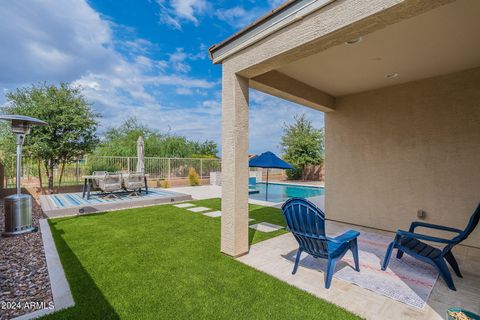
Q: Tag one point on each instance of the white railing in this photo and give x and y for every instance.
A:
(158, 168)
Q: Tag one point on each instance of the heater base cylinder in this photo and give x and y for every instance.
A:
(18, 214)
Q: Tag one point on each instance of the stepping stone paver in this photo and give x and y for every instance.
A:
(199, 209)
(213, 214)
(184, 205)
(266, 227)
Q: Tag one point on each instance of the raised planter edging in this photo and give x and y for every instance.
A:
(62, 296)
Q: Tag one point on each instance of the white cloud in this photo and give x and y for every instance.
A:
(174, 12)
(69, 41)
(275, 3)
(178, 61)
(239, 17)
(267, 116)
(135, 46)
(185, 91)
(52, 40)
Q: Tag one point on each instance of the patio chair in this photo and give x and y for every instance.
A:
(95, 183)
(409, 242)
(134, 182)
(110, 183)
(307, 224)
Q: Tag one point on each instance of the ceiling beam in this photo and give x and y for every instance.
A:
(280, 85)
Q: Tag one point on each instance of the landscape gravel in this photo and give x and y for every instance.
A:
(24, 281)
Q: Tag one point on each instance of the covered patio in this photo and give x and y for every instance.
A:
(276, 256)
(399, 85)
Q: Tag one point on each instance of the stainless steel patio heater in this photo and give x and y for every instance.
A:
(18, 207)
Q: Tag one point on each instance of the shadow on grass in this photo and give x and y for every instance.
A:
(265, 214)
(251, 236)
(90, 303)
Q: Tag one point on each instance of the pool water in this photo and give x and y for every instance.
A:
(278, 192)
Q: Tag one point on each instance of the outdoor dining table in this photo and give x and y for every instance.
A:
(88, 182)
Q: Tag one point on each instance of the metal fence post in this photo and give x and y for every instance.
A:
(201, 168)
(168, 168)
(128, 164)
(77, 171)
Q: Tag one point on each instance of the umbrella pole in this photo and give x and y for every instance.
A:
(266, 189)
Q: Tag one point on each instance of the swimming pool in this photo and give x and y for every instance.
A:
(278, 192)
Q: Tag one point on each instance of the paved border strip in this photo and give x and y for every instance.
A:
(62, 296)
(53, 212)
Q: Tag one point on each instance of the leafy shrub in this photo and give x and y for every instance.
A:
(122, 141)
(104, 167)
(295, 173)
(165, 184)
(193, 177)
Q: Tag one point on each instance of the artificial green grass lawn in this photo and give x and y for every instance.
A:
(164, 262)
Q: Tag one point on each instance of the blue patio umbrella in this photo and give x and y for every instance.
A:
(268, 160)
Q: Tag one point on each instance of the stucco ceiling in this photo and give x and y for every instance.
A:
(442, 41)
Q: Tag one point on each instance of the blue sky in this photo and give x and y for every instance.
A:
(147, 59)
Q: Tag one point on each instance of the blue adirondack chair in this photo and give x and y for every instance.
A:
(307, 224)
(409, 242)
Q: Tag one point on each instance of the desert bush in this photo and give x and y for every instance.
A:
(193, 177)
(295, 173)
(165, 184)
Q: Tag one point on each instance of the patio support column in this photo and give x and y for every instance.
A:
(234, 230)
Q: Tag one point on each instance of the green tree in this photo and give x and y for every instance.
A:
(71, 130)
(122, 141)
(302, 144)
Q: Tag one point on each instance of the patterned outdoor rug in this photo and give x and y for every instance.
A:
(407, 280)
(65, 200)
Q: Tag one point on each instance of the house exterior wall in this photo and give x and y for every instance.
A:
(393, 151)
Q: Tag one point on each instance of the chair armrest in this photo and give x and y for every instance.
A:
(345, 237)
(416, 224)
(422, 237)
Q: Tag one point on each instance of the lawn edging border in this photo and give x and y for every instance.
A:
(62, 296)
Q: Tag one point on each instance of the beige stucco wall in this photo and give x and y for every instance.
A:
(392, 151)
(235, 171)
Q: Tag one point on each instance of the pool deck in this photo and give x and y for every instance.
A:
(211, 191)
(70, 204)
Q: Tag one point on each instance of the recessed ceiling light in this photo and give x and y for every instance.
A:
(392, 75)
(354, 41)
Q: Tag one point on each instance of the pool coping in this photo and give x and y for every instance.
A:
(318, 200)
(294, 184)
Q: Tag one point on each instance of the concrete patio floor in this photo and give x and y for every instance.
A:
(269, 256)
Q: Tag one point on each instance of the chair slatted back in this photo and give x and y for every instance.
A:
(307, 223)
(471, 225)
